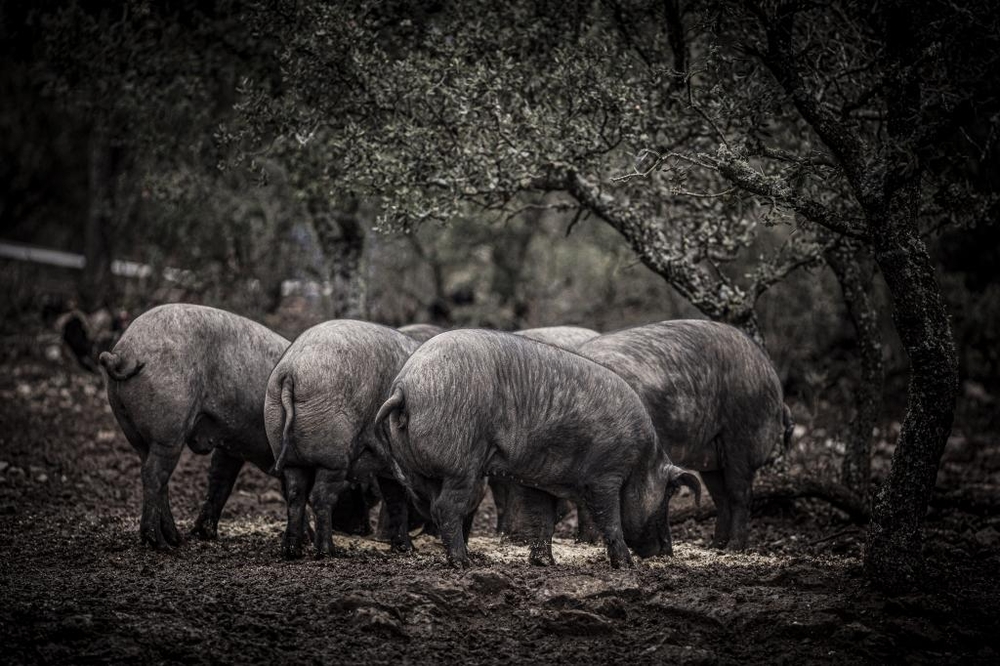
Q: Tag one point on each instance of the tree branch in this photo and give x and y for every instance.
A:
(740, 173)
(847, 146)
(716, 297)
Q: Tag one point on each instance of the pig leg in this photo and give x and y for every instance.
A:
(717, 489)
(478, 494)
(531, 520)
(284, 495)
(501, 493)
(298, 482)
(222, 475)
(541, 521)
(604, 506)
(415, 521)
(157, 526)
(430, 529)
(383, 531)
(327, 487)
(739, 486)
(449, 508)
(395, 505)
(350, 513)
(586, 530)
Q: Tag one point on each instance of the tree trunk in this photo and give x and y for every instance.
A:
(510, 252)
(439, 307)
(850, 263)
(342, 238)
(893, 555)
(675, 37)
(96, 289)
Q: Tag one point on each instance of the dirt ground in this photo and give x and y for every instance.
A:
(77, 587)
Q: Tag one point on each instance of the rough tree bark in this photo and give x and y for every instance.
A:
(510, 253)
(439, 307)
(674, 12)
(893, 553)
(893, 556)
(850, 263)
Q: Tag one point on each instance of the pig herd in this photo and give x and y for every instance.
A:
(422, 419)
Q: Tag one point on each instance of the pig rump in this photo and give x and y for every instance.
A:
(318, 410)
(189, 374)
(472, 403)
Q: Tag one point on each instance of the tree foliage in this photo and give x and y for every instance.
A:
(481, 105)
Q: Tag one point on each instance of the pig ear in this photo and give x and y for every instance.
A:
(682, 477)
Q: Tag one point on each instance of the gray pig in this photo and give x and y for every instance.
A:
(188, 374)
(566, 337)
(420, 332)
(517, 513)
(472, 403)
(321, 400)
(715, 400)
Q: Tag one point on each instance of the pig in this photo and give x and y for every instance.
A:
(319, 408)
(475, 403)
(715, 400)
(566, 337)
(188, 374)
(514, 503)
(420, 332)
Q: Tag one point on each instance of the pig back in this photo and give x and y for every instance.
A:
(567, 337)
(420, 332)
(531, 401)
(700, 381)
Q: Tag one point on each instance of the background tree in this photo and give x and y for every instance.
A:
(485, 105)
(882, 90)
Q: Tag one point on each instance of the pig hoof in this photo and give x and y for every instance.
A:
(459, 563)
(541, 561)
(172, 537)
(156, 541)
(205, 532)
(291, 551)
(402, 547)
(329, 551)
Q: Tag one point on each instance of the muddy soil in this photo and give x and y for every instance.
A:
(77, 587)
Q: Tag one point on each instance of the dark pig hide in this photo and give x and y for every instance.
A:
(475, 403)
(188, 374)
(714, 399)
(321, 401)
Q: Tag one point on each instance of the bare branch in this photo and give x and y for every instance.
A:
(740, 173)
(719, 299)
(847, 146)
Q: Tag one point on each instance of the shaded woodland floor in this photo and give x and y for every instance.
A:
(77, 587)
